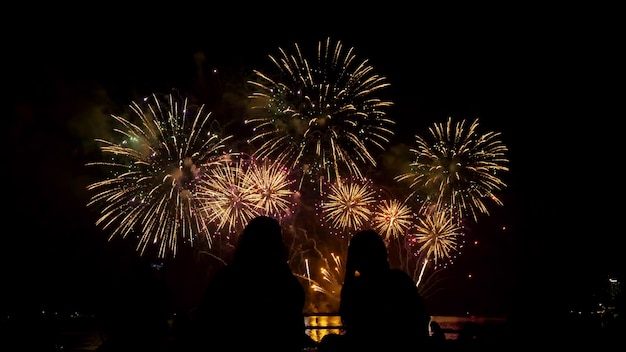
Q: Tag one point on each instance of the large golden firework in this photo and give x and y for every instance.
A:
(320, 116)
(154, 166)
(459, 169)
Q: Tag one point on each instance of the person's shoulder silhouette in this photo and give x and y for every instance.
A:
(255, 301)
(379, 305)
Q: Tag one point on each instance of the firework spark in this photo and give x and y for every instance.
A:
(392, 219)
(323, 116)
(348, 204)
(325, 282)
(459, 170)
(332, 273)
(155, 166)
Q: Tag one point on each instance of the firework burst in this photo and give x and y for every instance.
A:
(437, 235)
(227, 200)
(348, 204)
(392, 219)
(323, 116)
(459, 170)
(243, 188)
(274, 192)
(155, 166)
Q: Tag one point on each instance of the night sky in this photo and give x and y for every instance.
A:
(548, 83)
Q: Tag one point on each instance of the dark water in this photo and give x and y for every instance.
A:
(320, 325)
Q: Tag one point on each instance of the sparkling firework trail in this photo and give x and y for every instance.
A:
(328, 278)
(332, 273)
(459, 169)
(322, 116)
(155, 166)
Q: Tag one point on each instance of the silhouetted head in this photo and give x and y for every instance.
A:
(367, 253)
(261, 242)
(435, 326)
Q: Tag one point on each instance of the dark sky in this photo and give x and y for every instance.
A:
(548, 82)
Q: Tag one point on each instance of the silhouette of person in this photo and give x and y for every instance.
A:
(255, 302)
(380, 306)
(438, 341)
(470, 337)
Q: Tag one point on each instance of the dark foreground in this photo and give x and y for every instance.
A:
(85, 333)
